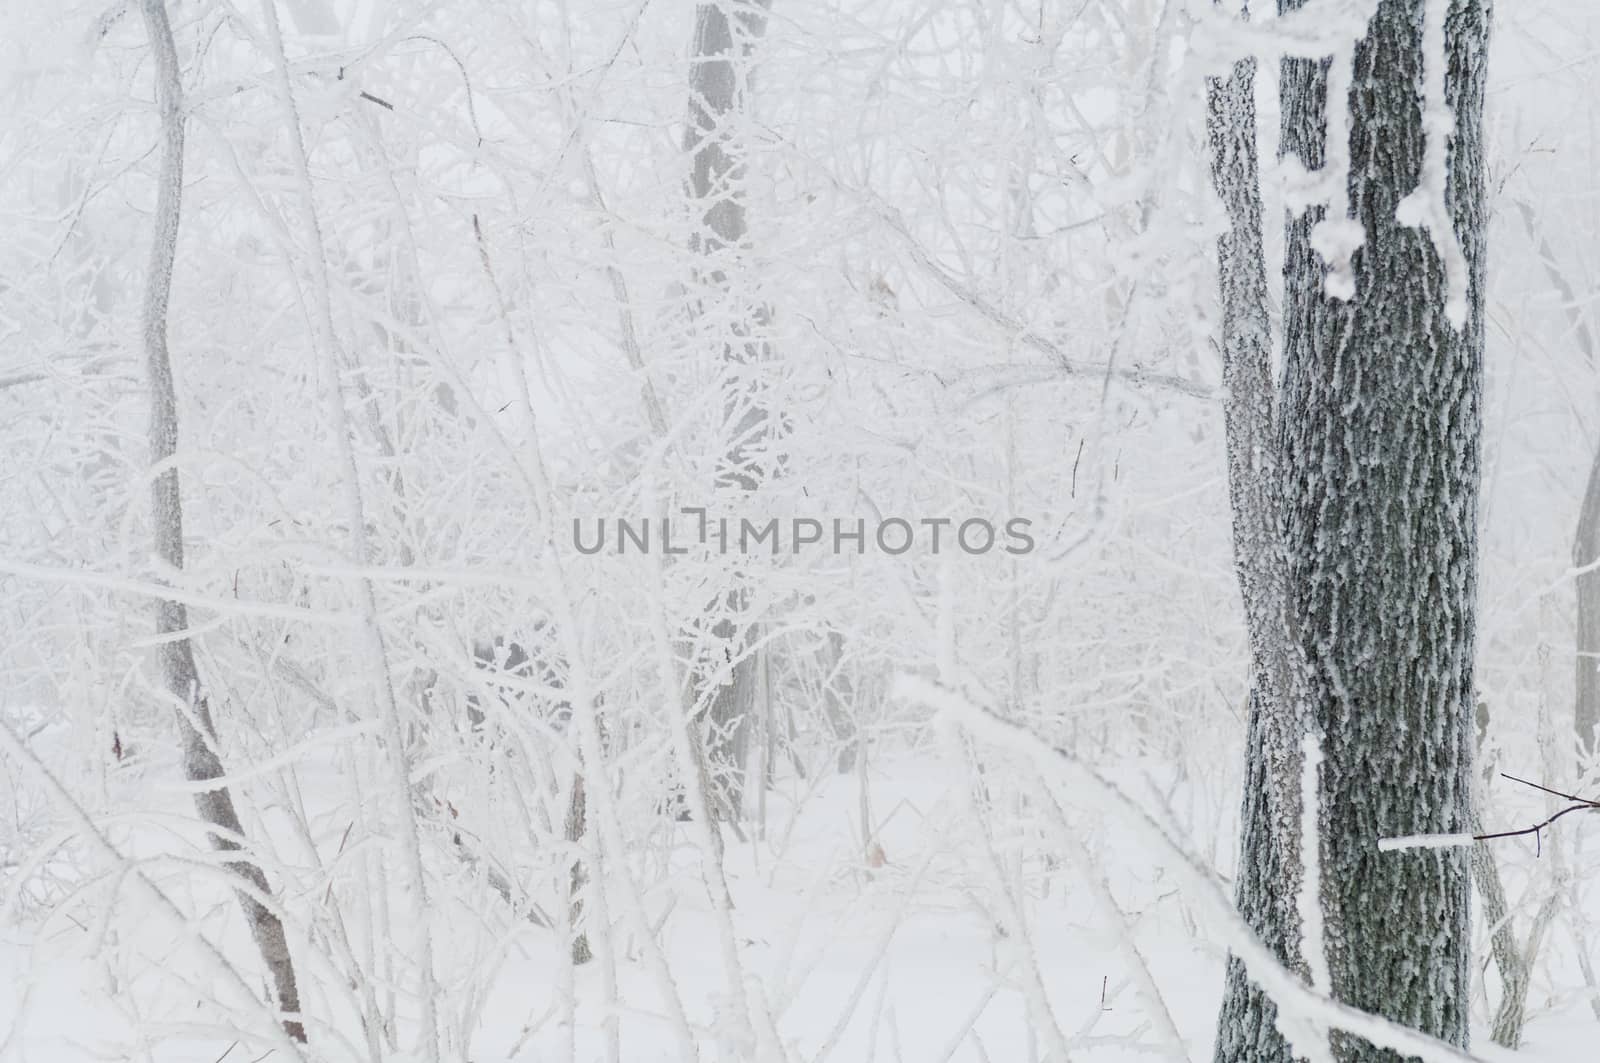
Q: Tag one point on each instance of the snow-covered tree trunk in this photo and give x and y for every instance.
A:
(725, 34)
(1379, 467)
(1586, 539)
(839, 703)
(574, 828)
(1268, 862)
(1512, 959)
(202, 761)
(1586, 557)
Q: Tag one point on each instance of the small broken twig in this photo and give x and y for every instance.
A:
(1579, 804)
(1447, 841)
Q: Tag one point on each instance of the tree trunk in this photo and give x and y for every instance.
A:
(1379, 458)
(839, 702)
(1268, 852)
(725, 35)
(201, 762)
(577, 825)
(1514, 962)
(1586, 540)
(1586, 555)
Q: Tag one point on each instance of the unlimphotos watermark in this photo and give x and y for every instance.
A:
(775, 535)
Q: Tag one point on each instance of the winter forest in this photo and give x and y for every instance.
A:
(799, 531)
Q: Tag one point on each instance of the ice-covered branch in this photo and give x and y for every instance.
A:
(1452, 841)
(221, 970)
(1293, 997)
(1312, 31)
(374, 653)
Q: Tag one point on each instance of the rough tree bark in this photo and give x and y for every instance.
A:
(1378, 469)
(725, 35)
(1268, 859)
(201, 761)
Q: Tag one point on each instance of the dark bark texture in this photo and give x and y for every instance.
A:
(1377, 470)
(1268, 863)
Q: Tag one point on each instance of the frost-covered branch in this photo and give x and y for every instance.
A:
(380, 687)
(287, 1036)
(1280, 983)
(1451, 841)
(202, 762)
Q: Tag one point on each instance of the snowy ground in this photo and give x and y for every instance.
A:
(912, 960)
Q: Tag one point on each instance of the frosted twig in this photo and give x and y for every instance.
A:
(224, 970)
(1093, 872)
(1450, 841)
(1581, 806)
(1042, 1017)
(74, 577)
(381, 687)
(880, 949)
(1277, 981)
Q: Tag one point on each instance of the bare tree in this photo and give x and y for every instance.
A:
(725, 35)
(1513, 958)
(197, 731)
(1586, 558)
(501, 657)
(1586, 539)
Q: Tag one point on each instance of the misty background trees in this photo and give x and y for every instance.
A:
(448, 277)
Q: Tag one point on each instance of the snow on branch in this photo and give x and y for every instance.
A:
(1425, 206)
(1313, 31)
(77, 577)
(1303, 1006)
(223, 973)
(1331, 29)
(1424, 841)
(1328, 30)
(1451, 841)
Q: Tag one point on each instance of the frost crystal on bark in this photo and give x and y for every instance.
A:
(1377, 474)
